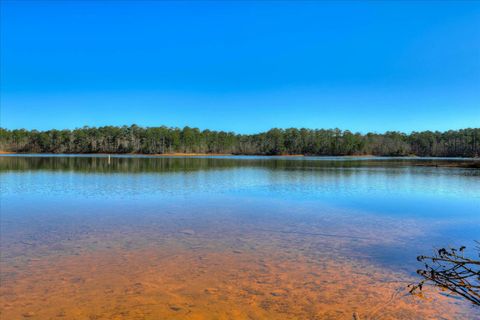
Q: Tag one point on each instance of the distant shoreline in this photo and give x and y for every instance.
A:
(195, 154)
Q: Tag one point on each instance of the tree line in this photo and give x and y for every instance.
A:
(165, 140)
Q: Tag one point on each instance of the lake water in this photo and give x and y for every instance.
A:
(84, 237)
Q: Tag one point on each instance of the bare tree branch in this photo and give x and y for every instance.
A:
(450, 270)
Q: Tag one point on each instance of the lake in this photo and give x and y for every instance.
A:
(137, 237)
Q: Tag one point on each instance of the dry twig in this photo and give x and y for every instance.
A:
(452, 271)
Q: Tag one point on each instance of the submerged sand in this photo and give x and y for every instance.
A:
(194, 280)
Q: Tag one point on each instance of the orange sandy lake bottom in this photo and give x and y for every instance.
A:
(190, 277)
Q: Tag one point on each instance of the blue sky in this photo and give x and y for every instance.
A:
(241, 66)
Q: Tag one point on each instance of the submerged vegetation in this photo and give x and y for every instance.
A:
(450, 270)
(162, 140)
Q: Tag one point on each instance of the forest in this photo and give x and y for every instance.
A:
(167, 140)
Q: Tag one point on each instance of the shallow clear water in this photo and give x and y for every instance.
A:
(228, 237)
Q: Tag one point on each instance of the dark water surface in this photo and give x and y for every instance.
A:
(84, 237)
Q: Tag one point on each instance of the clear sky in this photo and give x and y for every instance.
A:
(241, 66)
